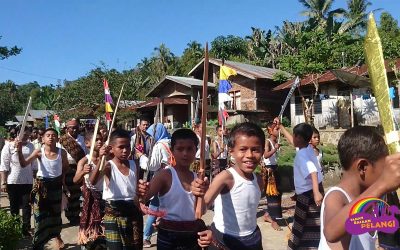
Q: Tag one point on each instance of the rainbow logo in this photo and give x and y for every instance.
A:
(372, 214)
(364, 204)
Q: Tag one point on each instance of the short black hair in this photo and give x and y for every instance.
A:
(217, 127)
(144, 118)
(315, 130)
(184, 134)
(361, 142)
(119, 133)
(303, 130)
(248, 129)
(51, 129)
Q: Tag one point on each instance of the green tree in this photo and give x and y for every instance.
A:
(229, 48)
(9, 104)
(192, 54)
(6, 52)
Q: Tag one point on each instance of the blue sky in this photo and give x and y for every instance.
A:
(66, 39)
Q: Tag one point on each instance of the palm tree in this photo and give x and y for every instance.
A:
(319, 11)
(356, 16)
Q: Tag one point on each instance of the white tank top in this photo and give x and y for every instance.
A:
(99, 184)
(235, 213)
(363, 241)
(224, 154)
(120, 187)
(49, 168)
(178, 202)
(272, 159)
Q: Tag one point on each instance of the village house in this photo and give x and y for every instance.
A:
(337, 94)
(251, 93)
(251, 89)
(177, 97)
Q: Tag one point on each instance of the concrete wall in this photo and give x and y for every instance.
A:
(330, 136)
(365, 111)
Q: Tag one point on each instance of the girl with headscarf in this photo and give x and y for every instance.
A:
(160, 157)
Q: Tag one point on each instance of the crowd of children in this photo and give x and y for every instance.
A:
(118, 180)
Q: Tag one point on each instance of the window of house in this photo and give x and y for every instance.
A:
(235, 104)
(299, 106)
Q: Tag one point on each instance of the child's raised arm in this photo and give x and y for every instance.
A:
(287, 134)
(22, 161)
(334, 226)
(82, 169)
(222, 183)
(156, 186)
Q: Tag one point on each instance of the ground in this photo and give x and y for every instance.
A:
(271, 239)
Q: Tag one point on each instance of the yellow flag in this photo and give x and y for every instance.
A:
(225, 72)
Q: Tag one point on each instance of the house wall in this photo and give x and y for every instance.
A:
(246, 87)
(268, 100)
(176, 113)
(365, 111)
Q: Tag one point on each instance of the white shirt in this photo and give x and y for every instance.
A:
(10, 163)
(272, 160)
(207, 149)
(235, 212)
(178, 202)
(120, 187)
(305, 163)
(363, 241)
(48, 168)
(160, 155)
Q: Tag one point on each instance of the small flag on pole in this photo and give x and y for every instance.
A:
(223, 89)
(57, 124)
(108, 100)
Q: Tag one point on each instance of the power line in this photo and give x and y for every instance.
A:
(32, 74)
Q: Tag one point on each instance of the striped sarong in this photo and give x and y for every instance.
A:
(46, 199)
(73, 207)
(306, 230)
(90, 226)
(123, 223)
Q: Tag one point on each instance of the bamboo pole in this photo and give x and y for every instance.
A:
(28, 108)
(93, 145)
(200, 200)
(111, 126)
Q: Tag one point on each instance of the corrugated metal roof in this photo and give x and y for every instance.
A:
(185, 81)
(247, 70)
(20, 118)
(328, 76)
(39, 114)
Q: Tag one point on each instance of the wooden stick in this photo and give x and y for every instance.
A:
(200, 200)
(28, 108)
(93, 145)
(111, 126)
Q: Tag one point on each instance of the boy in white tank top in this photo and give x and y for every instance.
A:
(237, 191)
(90, 226)
(368, 172)
(178, 229)
(47, 190)
(123, 220)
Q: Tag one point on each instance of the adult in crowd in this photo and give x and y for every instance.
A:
(74, 144)
(17, 180)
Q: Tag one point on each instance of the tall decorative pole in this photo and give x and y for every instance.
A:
(200, 200)
(379, 82)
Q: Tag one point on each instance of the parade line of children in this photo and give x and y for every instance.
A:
(115, 190)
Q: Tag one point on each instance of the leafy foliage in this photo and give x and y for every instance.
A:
(10, 230)
(6, 52)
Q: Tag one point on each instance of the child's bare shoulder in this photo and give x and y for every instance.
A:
(335, 199)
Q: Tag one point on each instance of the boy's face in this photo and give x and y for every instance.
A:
(184, 152)
(40, 135)
(26, 136)
(247, 152)
(34, 134)
(220, 131)
(99, 142)
(373, 171)
(50, 138)
(121, 148)
(274, 130)
(314, 140)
